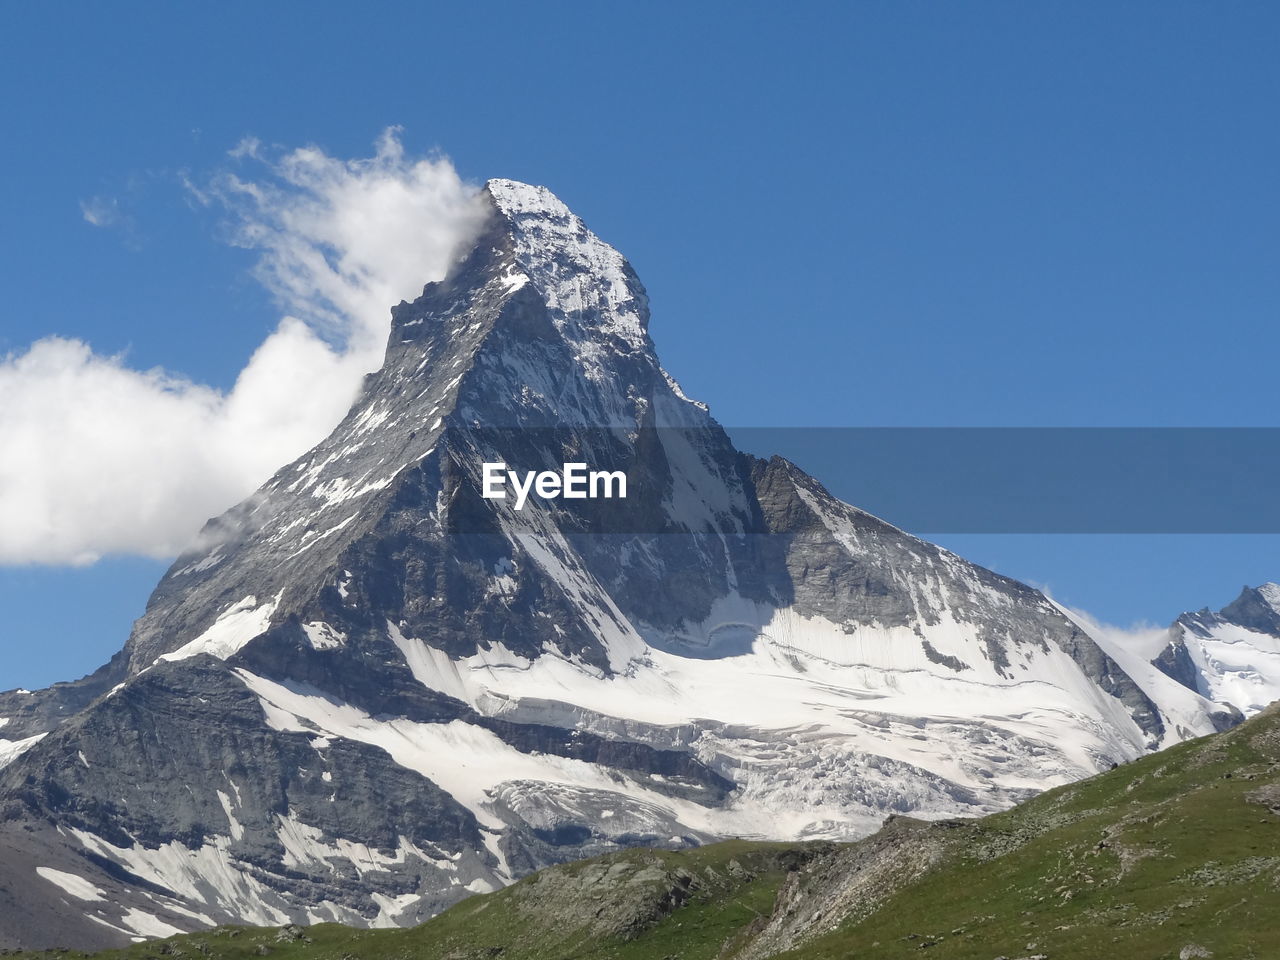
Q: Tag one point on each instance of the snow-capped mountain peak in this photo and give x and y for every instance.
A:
(382, 690)
(1231, 656)
(585, 282)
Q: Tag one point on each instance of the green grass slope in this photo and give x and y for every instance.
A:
(1174, 856)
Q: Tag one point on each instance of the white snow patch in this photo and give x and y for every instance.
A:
(206, 875)
(391, 908)
(234, 627)
(111, 926)
(146, 925)
(212, 559)
(340, 490)
(1240, 666)
(237, 830)
(312, 538)
(77, 887)
(11, 750)
(322, 636)
(514, 281)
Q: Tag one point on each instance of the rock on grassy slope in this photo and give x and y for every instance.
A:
(1176, 855)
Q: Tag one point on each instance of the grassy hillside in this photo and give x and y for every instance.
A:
(1173, 856)
(1176, 855)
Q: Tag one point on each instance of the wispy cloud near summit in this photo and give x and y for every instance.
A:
(100, 458)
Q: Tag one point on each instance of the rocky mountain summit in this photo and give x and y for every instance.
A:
(373, 690)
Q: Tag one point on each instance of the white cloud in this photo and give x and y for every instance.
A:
(100, 458)
(247, 147)
(100, 211)
(1142, 639)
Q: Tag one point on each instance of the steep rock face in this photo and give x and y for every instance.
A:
(372, 691)
(32, 713)
(1256, 609)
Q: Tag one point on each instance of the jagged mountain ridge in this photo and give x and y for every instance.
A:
(382, 692)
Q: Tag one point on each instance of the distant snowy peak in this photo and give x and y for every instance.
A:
(1231, 656)
(1256, 609)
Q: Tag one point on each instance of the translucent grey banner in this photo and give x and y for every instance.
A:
(1044, 480)
(942, 480)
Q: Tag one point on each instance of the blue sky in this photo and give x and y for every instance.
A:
(848, 214)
